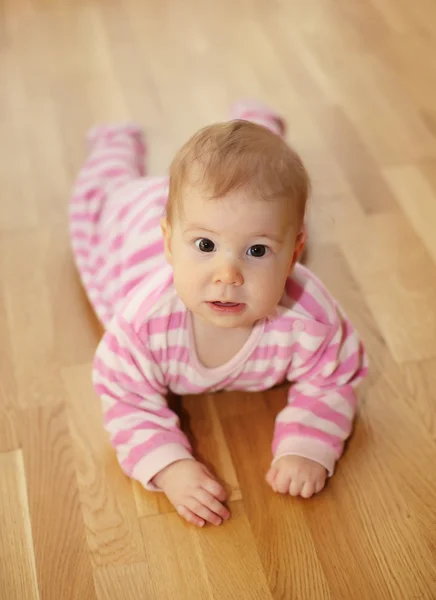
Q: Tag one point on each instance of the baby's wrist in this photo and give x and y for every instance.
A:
(164, 474)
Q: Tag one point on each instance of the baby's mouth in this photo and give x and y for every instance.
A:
(218, 303)
(226, 307)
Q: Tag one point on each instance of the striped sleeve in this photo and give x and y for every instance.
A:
(143, 430)
(322, 398)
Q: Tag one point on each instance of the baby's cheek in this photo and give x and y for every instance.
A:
(186, 280)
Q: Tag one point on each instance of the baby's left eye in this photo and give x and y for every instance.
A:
(257, 251)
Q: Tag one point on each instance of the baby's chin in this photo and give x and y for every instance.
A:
(244, 321)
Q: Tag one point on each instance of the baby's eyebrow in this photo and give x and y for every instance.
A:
(198, 227)
(270, 236)
(276, 238)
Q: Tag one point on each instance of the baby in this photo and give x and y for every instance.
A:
(196, 281)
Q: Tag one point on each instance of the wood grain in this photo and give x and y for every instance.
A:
(17, 564)
(109, 512)
(62, 559)
(355, 82)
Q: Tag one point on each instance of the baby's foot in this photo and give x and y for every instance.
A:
(256, 112)
(113, 134)
(296, 476)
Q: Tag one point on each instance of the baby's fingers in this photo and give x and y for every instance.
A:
(296, 485)
(214, 488)
(202, 511)
(308, 489)
(212, 504)
(190, 516)
(271, 476)
(282, 482)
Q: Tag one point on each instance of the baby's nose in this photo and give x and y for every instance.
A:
(229, 274)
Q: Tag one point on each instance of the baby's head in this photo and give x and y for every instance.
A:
(233, 229)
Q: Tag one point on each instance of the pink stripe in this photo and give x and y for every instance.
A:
(129, 406)
(81, 252)
(79, 234)
(182, 382)
(321, 410)
(117, 242)
(160, 439)
(275, 352)
(126, 153)
(84, 217)
(114, 346)
(93, 178)
(135, 259)
(118, 410)
(180, 354)
(351, 366)
(128, 287)
(144, 253)
(286, 325)
(102, 390)
(262, 374)
(144, 193)
(283, 430)
(142, 313)
(142, 388)
(306, 300)
(165, 323)
(124, 436)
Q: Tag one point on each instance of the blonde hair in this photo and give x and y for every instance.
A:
(225, 156)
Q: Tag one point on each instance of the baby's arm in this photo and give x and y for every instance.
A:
(145, 433)
(311, 430)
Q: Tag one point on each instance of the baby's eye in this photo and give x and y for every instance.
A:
(205, 245)
(257, 251)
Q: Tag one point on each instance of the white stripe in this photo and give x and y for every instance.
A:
(305, 417)
(129, 421)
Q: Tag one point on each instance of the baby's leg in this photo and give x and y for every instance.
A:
(107, 195)
(116, 156)
(250, 110)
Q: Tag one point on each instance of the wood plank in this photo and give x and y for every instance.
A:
(398, 280)
(112, 525)
(29, 317)
(407, 182)
(357, 164)
(420, 378)
(17, 559)
(125, 582)
(174, 559)
(284, 535)
(231, 559)
(8, 383)
(62, 561)
(8, 431)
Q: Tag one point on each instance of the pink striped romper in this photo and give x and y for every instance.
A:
(148, 348)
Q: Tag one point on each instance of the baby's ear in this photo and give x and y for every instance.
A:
(300, 243)
(166, 232)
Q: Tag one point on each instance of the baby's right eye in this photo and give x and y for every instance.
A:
(205, 245)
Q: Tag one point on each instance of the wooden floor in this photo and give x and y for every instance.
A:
(356, 81)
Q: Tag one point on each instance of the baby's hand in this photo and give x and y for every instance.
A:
(194, 492)
(296, 476)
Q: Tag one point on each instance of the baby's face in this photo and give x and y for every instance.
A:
(231, 256)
